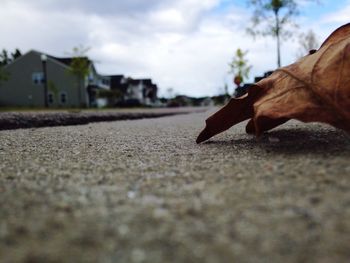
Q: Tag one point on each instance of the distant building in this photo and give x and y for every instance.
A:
(133, 92)
(207, 102)
(266, 74)
(34, 72)
(25, 86)
(118, 86)
(142, 90)
(241, 90)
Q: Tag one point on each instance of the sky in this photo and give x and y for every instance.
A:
(185, 46)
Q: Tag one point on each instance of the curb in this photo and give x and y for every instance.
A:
(15, 120)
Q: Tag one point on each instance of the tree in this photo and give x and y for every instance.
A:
(4, 58)
(3, 75)
(271, 18)
(80, 68)
(240, 69)
(239, 65)
(307, 41)
(226, 88)
(16, 54)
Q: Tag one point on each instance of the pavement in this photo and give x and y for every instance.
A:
(144, 191)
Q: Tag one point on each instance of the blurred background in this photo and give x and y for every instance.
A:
(149, 51)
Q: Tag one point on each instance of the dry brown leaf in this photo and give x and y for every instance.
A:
(314, 89)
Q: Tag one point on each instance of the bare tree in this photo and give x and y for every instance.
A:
(307, 41)
(272, 18)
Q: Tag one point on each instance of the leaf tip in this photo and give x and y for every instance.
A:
(203, 136)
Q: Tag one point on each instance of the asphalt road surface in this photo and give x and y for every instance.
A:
(144, 191)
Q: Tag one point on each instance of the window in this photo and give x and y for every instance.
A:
(91, 75)
(38, 78)
(63, 97)
(105, 81)
(50, 98)
(90, 78)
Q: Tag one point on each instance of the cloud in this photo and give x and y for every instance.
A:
(341, 16)
(190, 57)
(183, 44)
(107, 7)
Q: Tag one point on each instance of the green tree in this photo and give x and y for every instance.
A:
(80, 68)
(271, 18)
(240, 66)
(4, 58)
(3, 75)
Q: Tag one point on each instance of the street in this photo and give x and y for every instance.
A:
(144, 191)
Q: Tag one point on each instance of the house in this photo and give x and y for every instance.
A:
(142, 90)
(133, 92)
(149, 92)
(118, 86)
(241, 90)
(180, 101)
(266, 74)
(38, 80)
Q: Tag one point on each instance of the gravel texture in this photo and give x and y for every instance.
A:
(143, 191)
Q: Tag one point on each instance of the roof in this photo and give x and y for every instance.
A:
(147, 82)
(68, 61)
(154, 86)
(116, 78)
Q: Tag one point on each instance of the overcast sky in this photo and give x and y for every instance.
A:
(181, 44)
